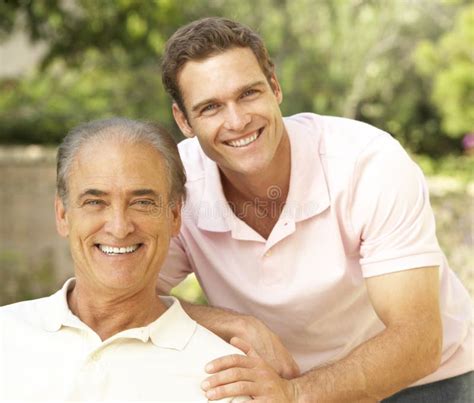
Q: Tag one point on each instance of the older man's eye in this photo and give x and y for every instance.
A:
(144, 204)
(93, 202)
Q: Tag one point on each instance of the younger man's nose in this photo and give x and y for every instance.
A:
(236, 118)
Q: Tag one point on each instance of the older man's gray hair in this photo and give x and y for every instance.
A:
(128, 131)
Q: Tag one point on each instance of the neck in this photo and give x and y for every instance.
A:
(108, 314)
(272, 183)
(259, 199)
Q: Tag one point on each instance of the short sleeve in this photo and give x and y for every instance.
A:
(390, 210)
(176, 267)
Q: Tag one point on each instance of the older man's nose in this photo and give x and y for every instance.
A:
(119, 224)
(236, 118)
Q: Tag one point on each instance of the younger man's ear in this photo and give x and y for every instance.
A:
(182, 121)
(276, 88)
(61, 217)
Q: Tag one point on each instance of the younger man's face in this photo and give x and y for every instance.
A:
(232, 109)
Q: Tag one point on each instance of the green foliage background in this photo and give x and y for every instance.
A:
(405, 66)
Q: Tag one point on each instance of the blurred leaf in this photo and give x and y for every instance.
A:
(449, 62)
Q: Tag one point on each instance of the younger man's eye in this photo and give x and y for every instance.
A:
(248, 92)
(209, 108)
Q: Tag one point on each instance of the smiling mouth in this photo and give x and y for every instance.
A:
(114, 250)
(245, 141)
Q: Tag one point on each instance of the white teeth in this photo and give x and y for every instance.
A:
(243, 142)
(111, 250)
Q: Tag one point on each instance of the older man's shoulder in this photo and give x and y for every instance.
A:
(28, 312)
(194, 339)
(216, 347)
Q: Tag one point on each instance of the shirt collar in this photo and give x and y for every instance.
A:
(173, 329)
(215, 213)
(57, 310)
(308, 194)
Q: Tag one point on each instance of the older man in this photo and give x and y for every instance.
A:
(319, 227)
(106, 334)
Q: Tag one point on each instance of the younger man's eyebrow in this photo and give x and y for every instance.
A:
(202, 103)
(249, 86)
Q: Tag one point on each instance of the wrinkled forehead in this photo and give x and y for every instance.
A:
(115, 162)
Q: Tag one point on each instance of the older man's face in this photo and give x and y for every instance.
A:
(118, 219)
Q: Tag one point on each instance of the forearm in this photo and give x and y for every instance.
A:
(376, 369)
(228, 324)
(223, 322)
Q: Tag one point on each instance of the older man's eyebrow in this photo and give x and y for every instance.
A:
(101, 193)
(92, 192)
(144, 192)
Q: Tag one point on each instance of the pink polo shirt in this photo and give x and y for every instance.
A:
(357, 207)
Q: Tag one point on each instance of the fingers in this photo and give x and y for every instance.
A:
(229, 361)
(243, 346)
(237, 375)
(228, 376)
(243, 388)
(234, 375)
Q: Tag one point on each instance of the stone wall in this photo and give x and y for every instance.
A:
(28, 238)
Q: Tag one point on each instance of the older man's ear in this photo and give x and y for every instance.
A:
(61, 217)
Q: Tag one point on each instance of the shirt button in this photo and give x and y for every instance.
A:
(268, 254)
(95, 357)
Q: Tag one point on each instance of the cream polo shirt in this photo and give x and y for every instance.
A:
(357, 207)
(47, 353)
